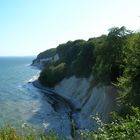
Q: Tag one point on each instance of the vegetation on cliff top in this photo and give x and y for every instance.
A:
(101, 56)
(111, 59)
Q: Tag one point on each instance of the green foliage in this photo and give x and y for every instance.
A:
(82, 66)
(10, 133)
(109, 56)
(130, 81)
(69, 51)
(127, 128)
(53, 74)
(78, 59)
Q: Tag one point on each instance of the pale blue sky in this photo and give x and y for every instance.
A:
(28, 27)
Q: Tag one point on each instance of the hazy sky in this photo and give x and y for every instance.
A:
(28, 27)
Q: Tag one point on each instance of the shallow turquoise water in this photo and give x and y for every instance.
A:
(22, 105)
(20, 102)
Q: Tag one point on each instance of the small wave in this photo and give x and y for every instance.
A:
(35, 77)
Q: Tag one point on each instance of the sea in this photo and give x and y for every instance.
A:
(21, 104)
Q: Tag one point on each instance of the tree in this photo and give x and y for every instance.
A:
(110, 56)
(51, 75)
(82, 66)
(130, 81)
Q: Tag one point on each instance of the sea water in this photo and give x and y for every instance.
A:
(21, 104)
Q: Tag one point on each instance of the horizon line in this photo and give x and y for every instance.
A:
(18, 55)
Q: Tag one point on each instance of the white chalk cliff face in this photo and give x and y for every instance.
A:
(40, 62)
(89, 100)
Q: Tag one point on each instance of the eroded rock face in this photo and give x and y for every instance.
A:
(88, 100)
(40, 62)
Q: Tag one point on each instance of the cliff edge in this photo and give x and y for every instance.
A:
(68, 70)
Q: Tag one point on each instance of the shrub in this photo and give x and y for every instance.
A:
(51, 75)
(10, 133)
(127, 128)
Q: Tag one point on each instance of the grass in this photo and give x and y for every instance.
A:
(10, 133)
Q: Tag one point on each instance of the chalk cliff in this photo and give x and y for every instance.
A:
(73, 63)
(88, 100)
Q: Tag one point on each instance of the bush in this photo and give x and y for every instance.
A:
(129, 82)
(109, 56)
(10, 133)
(82, 66)
(51, 75)
(127, 128)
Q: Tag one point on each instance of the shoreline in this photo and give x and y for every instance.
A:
(50, 91)
(59, 100)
